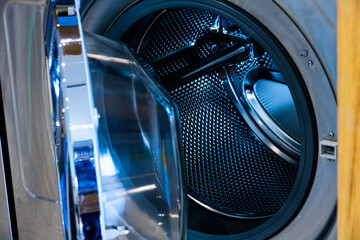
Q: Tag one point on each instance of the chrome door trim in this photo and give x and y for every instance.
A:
(76, 121)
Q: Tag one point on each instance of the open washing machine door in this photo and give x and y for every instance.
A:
(250, 83)
(116, 139)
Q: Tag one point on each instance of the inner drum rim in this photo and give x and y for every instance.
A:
(192, 193)
(287, 66)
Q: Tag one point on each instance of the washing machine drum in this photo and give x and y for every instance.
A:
(228, 167)
(247, 121)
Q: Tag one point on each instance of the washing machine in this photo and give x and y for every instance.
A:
(153, 119)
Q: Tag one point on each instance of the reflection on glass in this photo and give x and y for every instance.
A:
(139, 152)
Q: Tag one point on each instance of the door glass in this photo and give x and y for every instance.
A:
(116, 139)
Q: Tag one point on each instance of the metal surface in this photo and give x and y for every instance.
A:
(318, 208)
(216, 173)
(317, 21)
(28, 119)
(258, 123)
(5, 224)
(271, 98)
(29, 113)
(119, 176)
(36, 194)
(76, 119)
(226, 164)
(315, 18)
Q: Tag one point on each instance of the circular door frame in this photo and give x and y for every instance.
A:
(319, 208)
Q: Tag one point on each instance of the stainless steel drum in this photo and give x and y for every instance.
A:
(242, 77)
